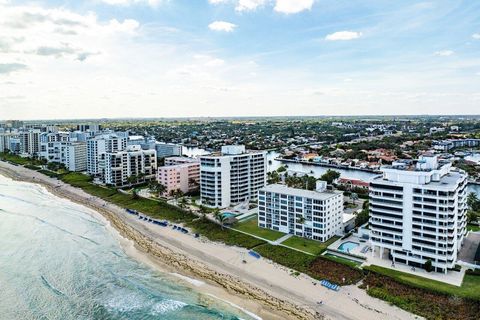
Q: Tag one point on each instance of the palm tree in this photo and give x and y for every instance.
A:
(183, 203)
(301, 220)
(472, 200)
(220, 217)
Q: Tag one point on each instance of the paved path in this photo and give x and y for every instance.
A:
(285, 237)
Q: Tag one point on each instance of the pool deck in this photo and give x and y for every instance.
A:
(355, 251)
(452, 277)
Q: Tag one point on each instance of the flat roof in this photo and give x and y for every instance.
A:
(283, 189)
(216, 154)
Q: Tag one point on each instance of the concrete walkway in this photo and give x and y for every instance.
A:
(285, 237)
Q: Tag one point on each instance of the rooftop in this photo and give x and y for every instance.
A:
(283, 189)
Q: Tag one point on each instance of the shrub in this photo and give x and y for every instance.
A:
(428, 265)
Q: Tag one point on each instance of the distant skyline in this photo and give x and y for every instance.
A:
(219, 58)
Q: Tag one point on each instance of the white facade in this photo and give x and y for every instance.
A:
(75, 154)
(418, 212)
(229, 179)
(101, 144)
(314, 215)
(9, 141)
(30, 142)
(52, 146)
(167, 149)
(118, 166)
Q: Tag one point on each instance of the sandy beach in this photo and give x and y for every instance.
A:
(259, 286)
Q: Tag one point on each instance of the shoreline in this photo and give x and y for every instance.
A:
(260, 287)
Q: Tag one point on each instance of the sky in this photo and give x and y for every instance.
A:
(190, 58)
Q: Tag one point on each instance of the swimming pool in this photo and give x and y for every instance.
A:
(229, 215)
(348, 246)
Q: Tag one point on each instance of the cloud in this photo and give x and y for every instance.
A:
(215, 63)
(343, 35)
(292, 6)
(222, 26)
(444, 53)
(55, 51)
(7, 68)
(476, 36)
(151, 3)
(249, 5)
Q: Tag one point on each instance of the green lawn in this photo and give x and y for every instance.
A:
(250, 226)
(308, 245)
(470, 287)
(471, 227)
(19, 160)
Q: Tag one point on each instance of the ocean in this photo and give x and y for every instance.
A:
(57, 261)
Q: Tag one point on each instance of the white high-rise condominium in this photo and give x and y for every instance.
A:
(232, 177)
(75, 156)
(101, 144)
(310, 214)
(133, 161)
(30, 142)
(418, 212)
(168, 149)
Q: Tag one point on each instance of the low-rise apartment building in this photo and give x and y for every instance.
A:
(182, 176)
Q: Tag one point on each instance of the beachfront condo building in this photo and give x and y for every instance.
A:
(9, 141)
(127, 167)
(418, 212)
(98, 145)
(30, 142)
(91, 127)
(52, 144)
(75, 156)
(179, 174)
(232, 176)
(313, 214)
(168, 149)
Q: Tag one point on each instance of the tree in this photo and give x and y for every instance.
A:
(363, 216)
(219, 216)
(472, 217)
(473, 201)
(330, 176)
(132, 179)
(135, 194)
(183, 203)
(428, 265)
(282, 169)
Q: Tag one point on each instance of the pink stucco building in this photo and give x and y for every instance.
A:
(183, 175)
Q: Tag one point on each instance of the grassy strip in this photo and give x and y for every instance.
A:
(348, 262)
(472, 227)
(470, 287)
(308, 245)
(19, 160)
(250, 226)
(32, 167)
(162, 210)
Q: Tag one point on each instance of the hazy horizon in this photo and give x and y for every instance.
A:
(177, 58)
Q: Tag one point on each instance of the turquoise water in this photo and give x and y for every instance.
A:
(59, 262)
(347, 246)
(229, 215)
